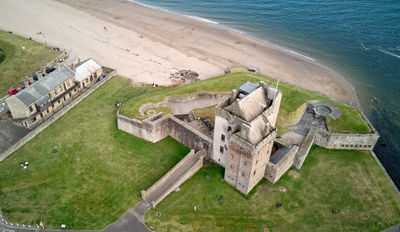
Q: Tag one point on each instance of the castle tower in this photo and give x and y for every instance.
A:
(244, 133)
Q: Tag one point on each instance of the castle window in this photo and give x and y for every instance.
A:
(47, 110)
(254, 173)
(342, 145)
(221, 149)
(245, 163)
(226, 148)
(30, 108)
(256, 161)
(61, 88)
(59, 101)
(231, 166)
(369, 145)
(55, 92)
(351, 145)
(219, 160)
(50, 95)
(229, 128)
(242, 173)
(223, 138)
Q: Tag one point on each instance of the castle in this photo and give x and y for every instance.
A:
(244, 134)
(243, 140)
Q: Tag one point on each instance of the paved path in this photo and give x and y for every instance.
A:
(133, 220)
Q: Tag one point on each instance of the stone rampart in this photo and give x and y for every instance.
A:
(183, 105)
(349, 141)
(158, 127)
(346, 141)
(151, 129)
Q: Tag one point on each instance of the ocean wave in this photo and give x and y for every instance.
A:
(166, 10)
(296, 53)
(200, 19)
(229, 28)
(363, 46)
(389, 53)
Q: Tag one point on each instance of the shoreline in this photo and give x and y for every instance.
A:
(354, 102)
(147, 44)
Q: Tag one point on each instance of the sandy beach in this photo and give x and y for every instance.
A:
(148, 45)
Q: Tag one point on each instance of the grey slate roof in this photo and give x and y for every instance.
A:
(37, 92)
(247, 88)
(279, 154)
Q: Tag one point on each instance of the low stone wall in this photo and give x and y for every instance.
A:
(305, 148)
(158, 127)
(176, 176)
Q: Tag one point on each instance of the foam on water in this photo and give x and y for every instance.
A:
(389, 53)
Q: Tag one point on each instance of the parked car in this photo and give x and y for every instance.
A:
(50, 69)
(12, 91)
(22, 86)
(101, 77)
(35, 77)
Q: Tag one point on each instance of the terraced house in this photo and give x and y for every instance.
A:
(49, 94)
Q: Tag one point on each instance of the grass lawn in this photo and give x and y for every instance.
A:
(97, 172)
(293, 101)
(349, 181)
(18, 64)
(207, 112)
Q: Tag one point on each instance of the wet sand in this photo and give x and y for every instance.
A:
(148, 45)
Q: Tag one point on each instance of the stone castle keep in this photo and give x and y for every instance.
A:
(244, 134)
(243, 139)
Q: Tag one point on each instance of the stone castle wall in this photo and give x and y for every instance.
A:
(349, 141)
(156, 128)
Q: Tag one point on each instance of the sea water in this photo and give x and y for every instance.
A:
(360, 39)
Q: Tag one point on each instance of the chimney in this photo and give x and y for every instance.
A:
(235, 94)
(263, 85)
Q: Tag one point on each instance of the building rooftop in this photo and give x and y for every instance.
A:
(86, 69)
(247, 88)
(37, 92)
(279, 154)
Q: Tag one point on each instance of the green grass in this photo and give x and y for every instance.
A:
(19, 64)
(2, 55)
(164, 110)
(207, 112)
(292, 105)
(348, 181)
(97, 173)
